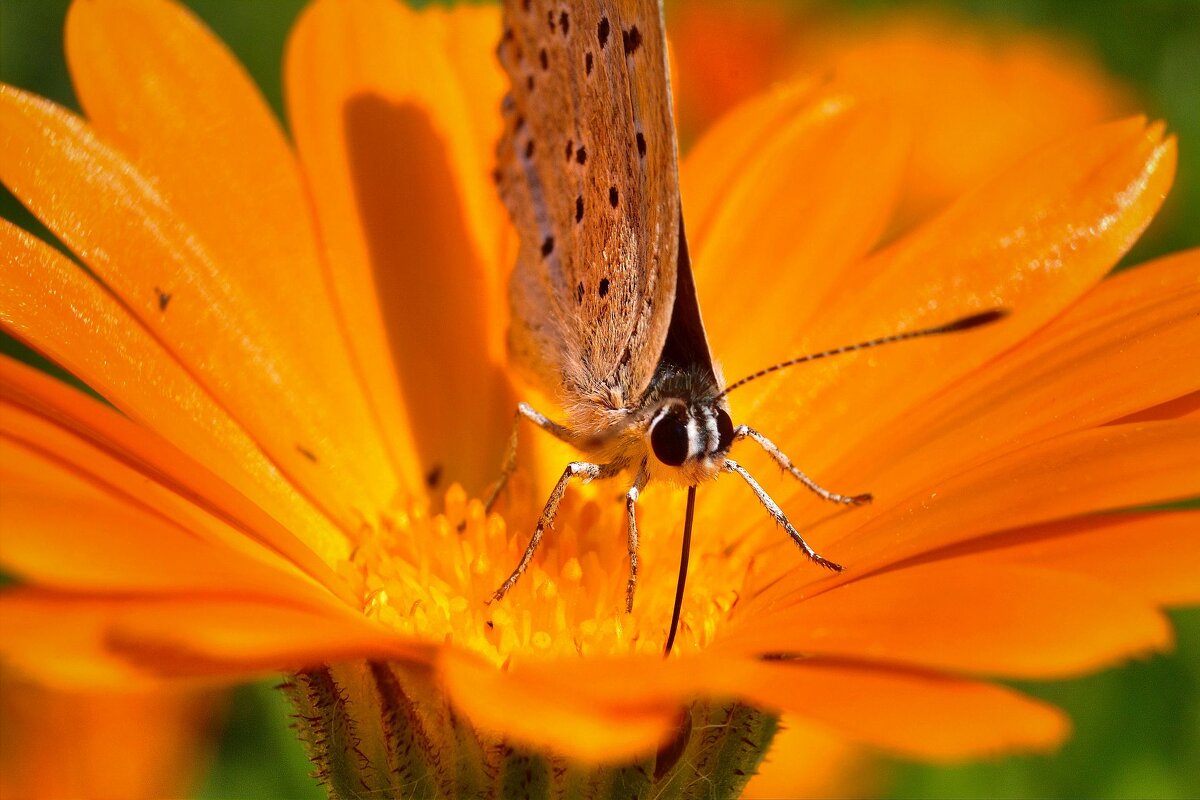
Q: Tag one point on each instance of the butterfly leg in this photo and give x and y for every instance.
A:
(576, 469)
(631, 498)
(777, 513)
(746, 432)
(524, 411)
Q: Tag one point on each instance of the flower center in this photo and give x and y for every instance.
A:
(433, 576)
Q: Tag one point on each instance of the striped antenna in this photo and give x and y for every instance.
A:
(966, 323)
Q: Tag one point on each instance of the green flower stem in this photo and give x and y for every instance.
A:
(382, 730)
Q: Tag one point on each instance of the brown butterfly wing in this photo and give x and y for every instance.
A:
(587, 168)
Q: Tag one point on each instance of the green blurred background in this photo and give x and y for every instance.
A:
(1137, 728)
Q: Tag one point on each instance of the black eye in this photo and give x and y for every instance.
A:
(725, 431)
(669, 440)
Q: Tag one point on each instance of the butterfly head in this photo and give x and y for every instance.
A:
(689, 439)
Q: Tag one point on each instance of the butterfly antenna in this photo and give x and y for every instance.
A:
(683, 565)
(966, 323)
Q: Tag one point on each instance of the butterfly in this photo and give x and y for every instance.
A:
(604, 307)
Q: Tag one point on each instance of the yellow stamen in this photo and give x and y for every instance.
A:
(433, 576)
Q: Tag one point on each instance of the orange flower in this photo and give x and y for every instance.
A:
(304, 349)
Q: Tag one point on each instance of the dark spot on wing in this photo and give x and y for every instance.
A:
(570, 149)
(434, 476)
(564, 22)
(626, 357)
(613, 196)
(525, 4)
(529, 149)
(309, 454)
(632, 40)
(602, 32)
(603, 288)
(545, 59)
(579, 208)
(641, 145)
(529, 83)
(496, 176)
(548, 246)
(550, 20)
(164, 298)
(579, 293)
(581, 155)
(587, 63)
(508, 35)
(520, 123)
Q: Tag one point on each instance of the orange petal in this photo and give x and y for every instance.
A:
(80, 744)
(62, 644)
(291, 391)
(579, 728)
(715, 160)
(468, 35)
(399, 160)
(64, 427)
(1186, 406)
(792, 208)
(808, 760)
(80, 516)
(130, 641)
(1121, 343)
(1032, 242)
(1115, 351)
(1111, 467)
(62, 531)
(914, 713)
(1151, 555)
(126, 356)
(962, 616)
(1112, 353)
(1000, 92)
(145, 71)
(159, 87)
(1000, 95)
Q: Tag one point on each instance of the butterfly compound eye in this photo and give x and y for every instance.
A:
(724, 430)
(669, 440)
